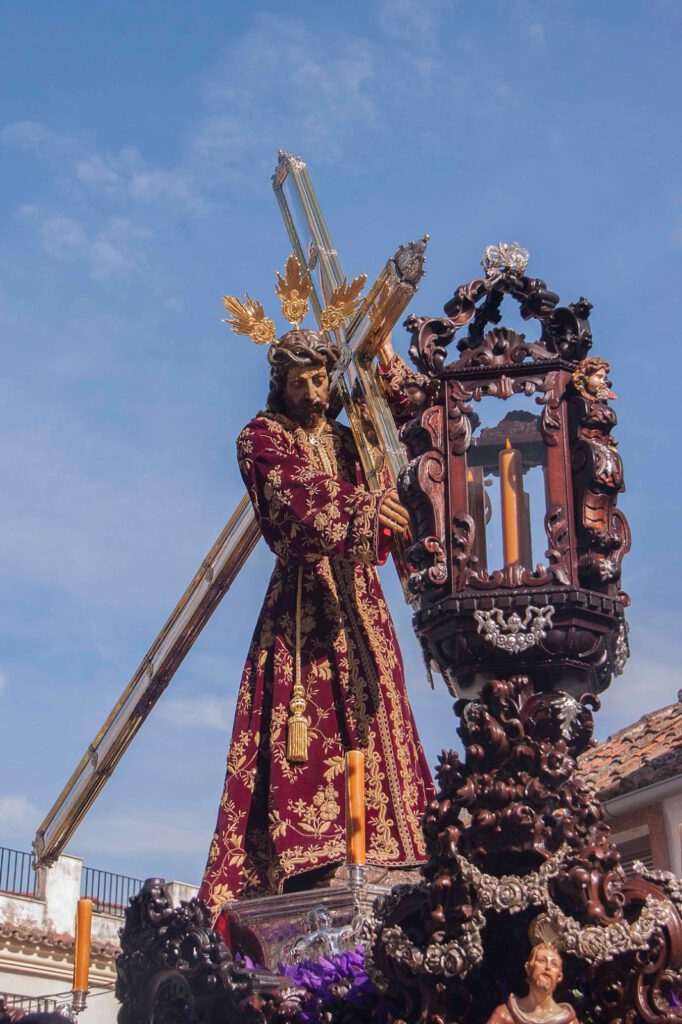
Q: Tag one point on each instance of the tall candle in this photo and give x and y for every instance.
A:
(82, 957)
(476, 494)
(511, 493)
(355, 807)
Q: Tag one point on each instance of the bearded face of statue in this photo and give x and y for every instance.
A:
(543, 969)
(305, 395)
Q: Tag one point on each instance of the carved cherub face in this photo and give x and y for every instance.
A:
(543, 968)
(306, 394)
(596, 381)
(591, 379)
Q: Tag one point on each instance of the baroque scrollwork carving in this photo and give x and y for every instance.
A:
(556, 528)
(501, 347)
(430, 338)
(570, 438)
(430, 553)
(459, 416)
(460, 411)
(516, 838)
(515, 576)
(515, 633)
(565, 329)
(171, 958)
(463, 558)
(443, 960)
(421, 486)
(603, 536)
(621, 651)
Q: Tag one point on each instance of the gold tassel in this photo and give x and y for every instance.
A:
(297, 724)
(297, 734)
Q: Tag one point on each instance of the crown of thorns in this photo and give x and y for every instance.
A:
(294, 291)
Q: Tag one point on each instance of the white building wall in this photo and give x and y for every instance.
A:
(36, 964)
(30, 970)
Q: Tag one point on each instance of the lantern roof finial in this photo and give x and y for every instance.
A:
(504, 256)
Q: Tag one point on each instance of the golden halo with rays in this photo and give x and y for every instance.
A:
(294, 290)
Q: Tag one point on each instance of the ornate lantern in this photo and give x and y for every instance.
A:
(512, 489)
(512, 484)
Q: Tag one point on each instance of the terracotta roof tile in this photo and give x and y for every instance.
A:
(648, 751)
(33, 936)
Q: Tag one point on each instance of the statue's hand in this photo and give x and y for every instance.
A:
(392, 514)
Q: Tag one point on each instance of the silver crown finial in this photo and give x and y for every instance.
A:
(496, 259)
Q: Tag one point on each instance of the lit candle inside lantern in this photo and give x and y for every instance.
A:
(355, 807)
(476, 492)
(81, 967)
(511, 492)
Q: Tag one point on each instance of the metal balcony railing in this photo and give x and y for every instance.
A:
(29, 1004)
(109, 892)
(16, 872)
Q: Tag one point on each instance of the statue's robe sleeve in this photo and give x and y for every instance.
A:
(305, 514)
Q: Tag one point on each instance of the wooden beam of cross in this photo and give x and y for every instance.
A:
(355, 381)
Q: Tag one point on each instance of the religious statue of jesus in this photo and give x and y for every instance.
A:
(324, 674)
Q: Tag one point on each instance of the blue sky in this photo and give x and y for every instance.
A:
(136, 144)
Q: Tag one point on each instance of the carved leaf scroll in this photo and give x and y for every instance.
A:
(421, 486)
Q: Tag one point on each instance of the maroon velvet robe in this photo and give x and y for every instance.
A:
(277, 819)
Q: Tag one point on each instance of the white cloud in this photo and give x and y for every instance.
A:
(407, 19)
(284, 78)
(97, 170)
(126, 835)
(65, 503)
(203, 712)
(62, 236)
(159, 186)
(29, 212)
(42, 142)
(18, 813)
(26, 135)
(125, 175)
(224, 135)
(113, 251)
(117, 249)
(3, 683)
(339, 85)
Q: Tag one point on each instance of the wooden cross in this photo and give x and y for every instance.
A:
(354, 379)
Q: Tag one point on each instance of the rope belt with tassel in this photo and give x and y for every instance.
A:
(297, 724)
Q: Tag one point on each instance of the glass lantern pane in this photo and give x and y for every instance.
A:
(507, 483)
